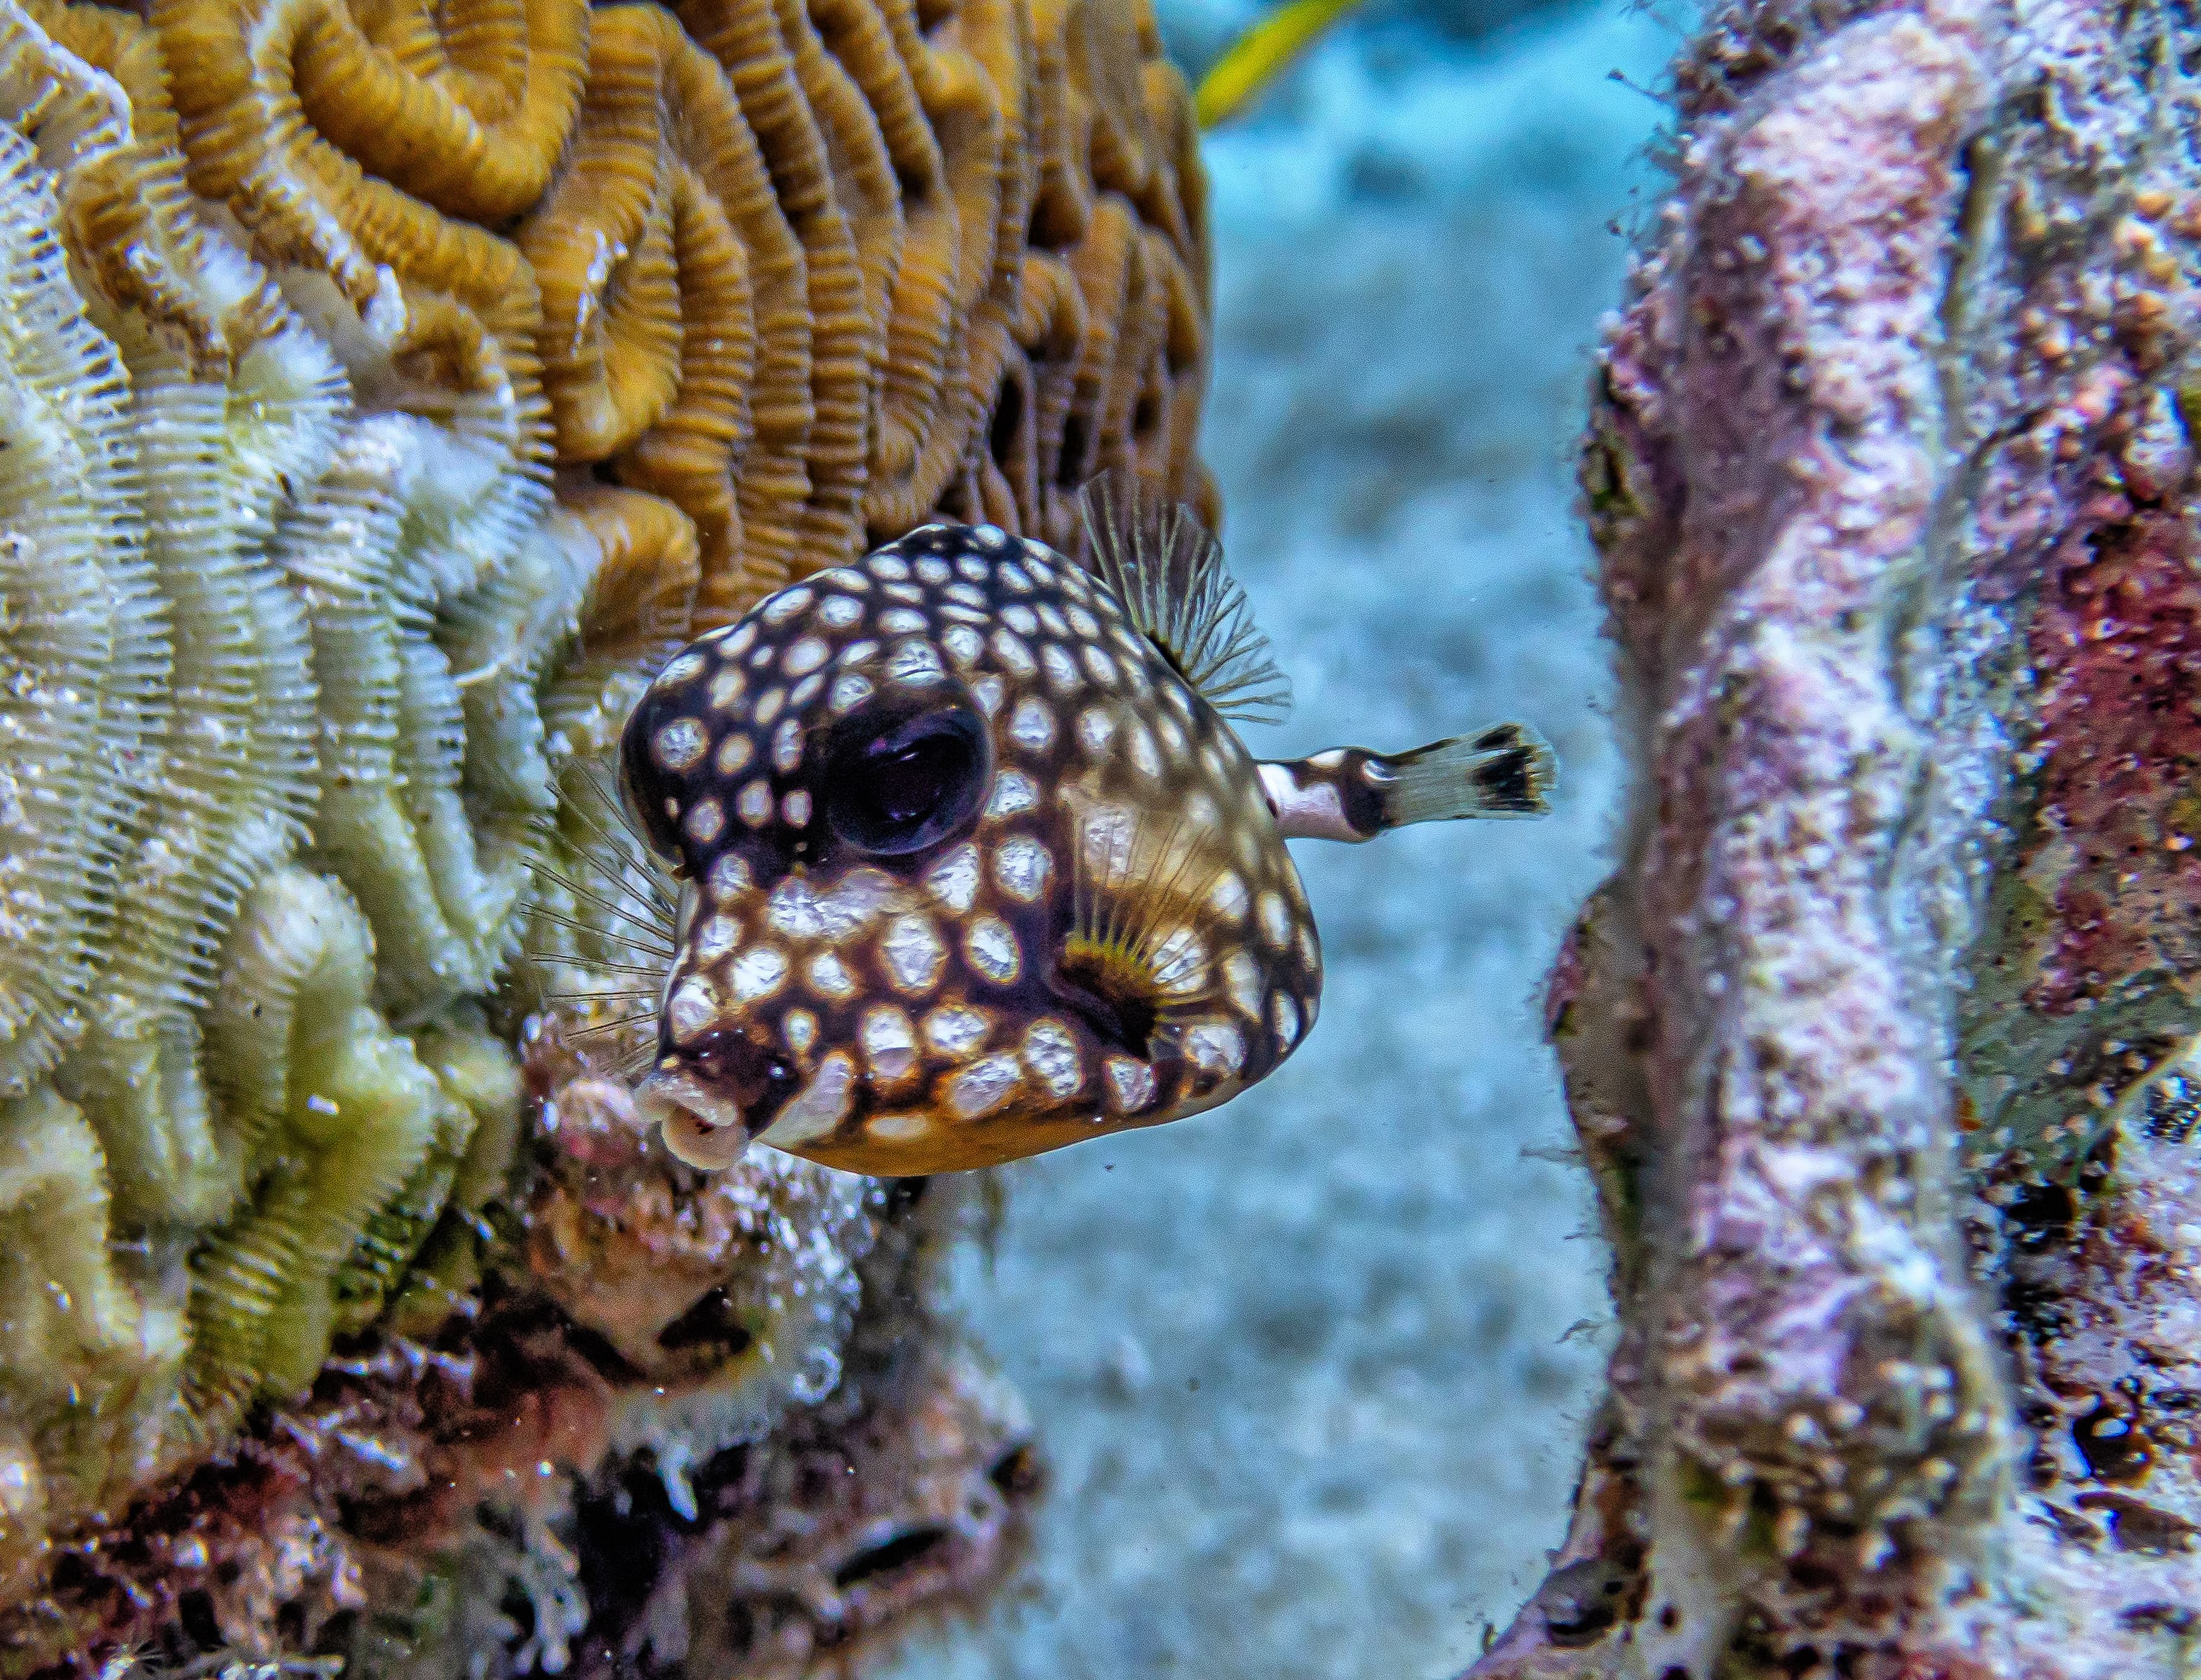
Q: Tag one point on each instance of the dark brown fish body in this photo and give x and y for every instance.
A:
(971, 871)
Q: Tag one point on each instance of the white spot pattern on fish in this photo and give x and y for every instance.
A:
(994, 874)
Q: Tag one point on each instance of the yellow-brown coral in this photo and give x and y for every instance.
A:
(678, 337)
(800, 270)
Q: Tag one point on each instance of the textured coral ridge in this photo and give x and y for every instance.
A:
(1876, 1041)
(384, 391)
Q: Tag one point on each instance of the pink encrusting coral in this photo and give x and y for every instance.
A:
(1876, 1040)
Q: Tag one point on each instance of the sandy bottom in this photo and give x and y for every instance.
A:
(1303, 1367)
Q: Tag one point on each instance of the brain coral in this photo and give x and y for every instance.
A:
(1881, 1042)
(383, 388)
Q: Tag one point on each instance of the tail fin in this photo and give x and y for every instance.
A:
(1503, 771)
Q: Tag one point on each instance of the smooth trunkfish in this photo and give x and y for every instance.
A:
(967, 862)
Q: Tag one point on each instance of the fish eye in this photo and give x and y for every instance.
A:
(894, 785)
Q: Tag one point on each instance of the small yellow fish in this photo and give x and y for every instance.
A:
(972, 863)
(1255, 62)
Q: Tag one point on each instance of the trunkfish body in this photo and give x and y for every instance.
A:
(973, 864)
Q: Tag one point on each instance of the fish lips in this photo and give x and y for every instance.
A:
(702, 1127)
(711, 1098)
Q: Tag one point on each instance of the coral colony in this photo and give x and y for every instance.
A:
(386, 392)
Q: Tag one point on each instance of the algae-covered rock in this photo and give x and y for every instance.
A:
(1878, 1040)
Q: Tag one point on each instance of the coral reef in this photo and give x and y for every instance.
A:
(385, 389)
(1880, 1042)
(460, 1506)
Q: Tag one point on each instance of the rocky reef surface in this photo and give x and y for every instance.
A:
(383, 389)
(1881, 1041)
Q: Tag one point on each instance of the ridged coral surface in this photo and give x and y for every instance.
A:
(1880, 1042)
(383, 389)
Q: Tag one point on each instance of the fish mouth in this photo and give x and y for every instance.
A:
(710, 1099)
(702, 1127)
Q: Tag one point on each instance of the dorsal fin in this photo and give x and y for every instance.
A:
(1167, 569)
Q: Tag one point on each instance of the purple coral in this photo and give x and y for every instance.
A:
(1876, 1040)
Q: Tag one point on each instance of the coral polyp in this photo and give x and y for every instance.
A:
(384, 392)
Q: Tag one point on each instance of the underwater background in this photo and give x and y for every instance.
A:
(356, 1313)
(1312, 1372)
